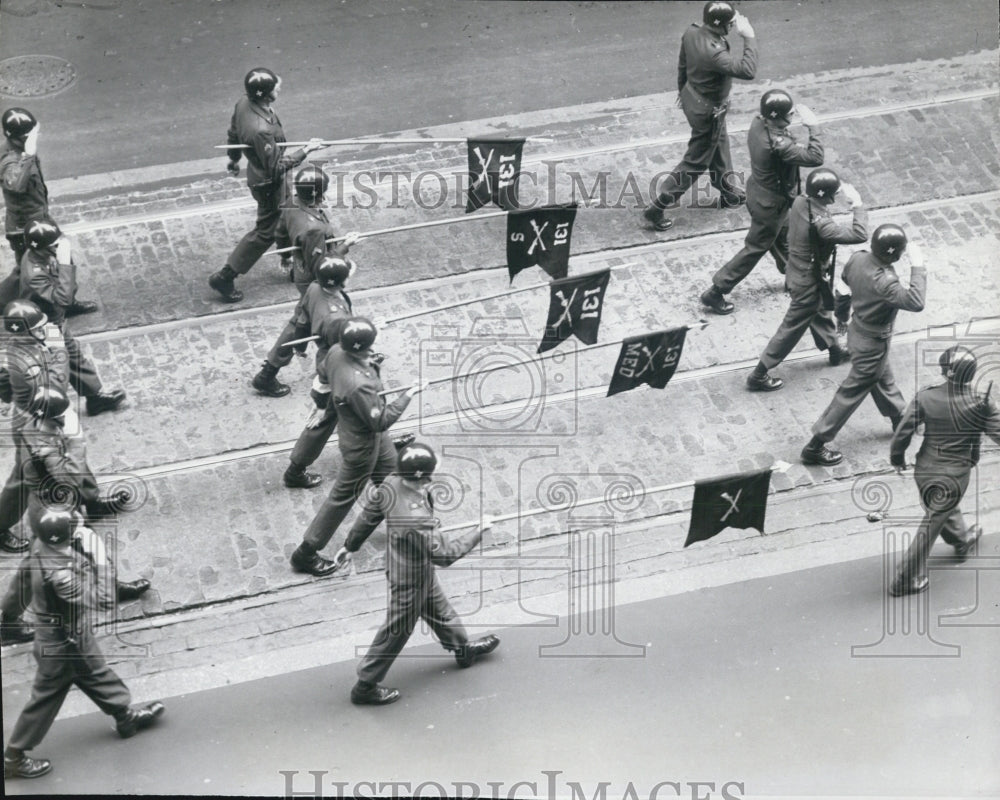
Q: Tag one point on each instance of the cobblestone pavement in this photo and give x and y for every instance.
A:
(217, 526)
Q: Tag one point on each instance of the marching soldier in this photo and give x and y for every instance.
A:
(306, 227)
(323, 311)
(415, 547)
(25, 195)
(775, 158)
(954, 418)
(705, 72)
(877, 295)
(255, 124)
(813, 240)
(70, 581)
(365, 448)
(48, 279)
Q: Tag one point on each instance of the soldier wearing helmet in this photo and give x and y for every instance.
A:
(71, 580)
(954, 417)
(363, 419)
(775, 158)
(415, 546)
(323, 311)
(306, 227)
(255, 124)
(48, 279)
(813, 238)
(877, 295)
(705, 72)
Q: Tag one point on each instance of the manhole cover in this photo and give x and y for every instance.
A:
(35, 76)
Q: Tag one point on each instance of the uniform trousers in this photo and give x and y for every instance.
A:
(708, 149)
(311, 441)
(10, 287)
(407, 604)
(280, 356)
(24, 480)
(871, 373)
(17, 598)
(941, 490)
(375, 460)
(82, 373)
(252, 246)
(61, 665)
(768, 233)
(804, 312)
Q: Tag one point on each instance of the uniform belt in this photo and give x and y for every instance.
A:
(718, 109)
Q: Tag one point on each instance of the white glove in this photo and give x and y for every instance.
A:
(314, 144)
(418, 388)
(64, 250)
(31, 141)
(851, 195)
(343, 557)
(351, 238)
(743, 26)
(807, 115)
(916, 254)
(315, 417)
(487, 522)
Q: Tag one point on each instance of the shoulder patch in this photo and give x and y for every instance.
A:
(33, 371)
(375, 412)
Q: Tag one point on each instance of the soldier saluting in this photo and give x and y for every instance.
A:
(705, 72)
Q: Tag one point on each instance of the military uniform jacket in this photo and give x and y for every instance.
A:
(307, 228)
(706, 66)
(48, 284)
(67, 588)
(877, 294)
(775, 157)
(24, 192)
(29, 367)
(415, 543)
(52, 460)
(954, 419)
(260, 129)
(801, 272)
(354, 386)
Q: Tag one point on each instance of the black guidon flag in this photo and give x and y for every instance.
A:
(575, 306)
(540, 237)
(494, 172)
(649, 358)
(733, 501)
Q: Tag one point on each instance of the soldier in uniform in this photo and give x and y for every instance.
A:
(306, 227)
(955, 418)
(365, 448)
(25, 195)
(256, 125)
(48, 279)
(775, 158)
(415, 547)
(322, 312)
(705, 72)
(70, 581)
(813, 240)
(877, 295)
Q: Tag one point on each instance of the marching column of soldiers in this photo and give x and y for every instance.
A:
(66, 575)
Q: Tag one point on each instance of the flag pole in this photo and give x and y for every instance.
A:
(588, 348)
(777, 466)
(397, 228)
(384, 140)
(500, 294)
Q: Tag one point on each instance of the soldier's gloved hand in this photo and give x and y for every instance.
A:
(64, 250)
(417, 388)
(487, 522)
(743, 26)
(851, 195)
(351, 238)
(807, 115)
(233, 168)
(916, 254)
(313, 144)
(31, 141)
(343, 557)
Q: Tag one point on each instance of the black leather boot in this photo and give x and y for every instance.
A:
(137, 719)
(296, 477)
(818, 454)
(266, 382)
(654, 216)
(716, 301)
(373, 694)
(839, 355)
(222, 282)
(15, 631)
(468, 653)
(132, 590)
(760, 381)
(105, 401)
(307, 560)
(24, 767)
(12, 543)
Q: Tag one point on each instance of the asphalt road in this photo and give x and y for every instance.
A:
(157, 79)
(754, 683)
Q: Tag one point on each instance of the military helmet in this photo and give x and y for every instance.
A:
(417, 460)
(311, 183)
(260, 83)
(41, 233)
(23, 316)
(719, 14)
(17, 122)
(357, 334)
(334, 271)
(51, 524)
(49, 403)
(958, 364)
(776, 104)
(889, 242)
(822, 184)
